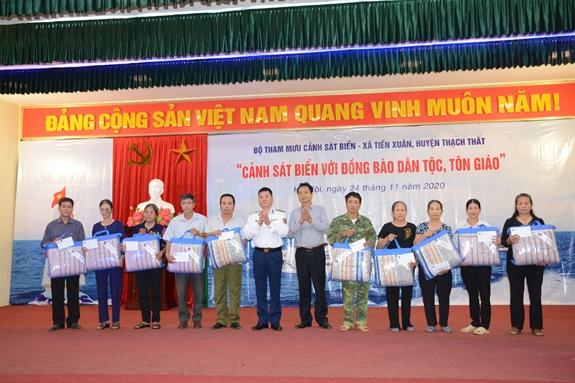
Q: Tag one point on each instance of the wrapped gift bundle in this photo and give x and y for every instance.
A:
(65, 262)
(476, 246)
(144, 258)
(189, 254)
(391, 266)
(539, 246)
(437, 253)
(107, 255)
(225, 251)
(328, 257)
(349, 265)
(288, 256)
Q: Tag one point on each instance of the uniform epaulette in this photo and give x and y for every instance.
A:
(281, 211)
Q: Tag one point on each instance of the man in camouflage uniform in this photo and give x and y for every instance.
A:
(354, 226)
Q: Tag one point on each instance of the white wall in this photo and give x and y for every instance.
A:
(9, 135)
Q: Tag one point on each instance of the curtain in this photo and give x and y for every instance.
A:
(130, 182)
(279, 28)
(399, 60)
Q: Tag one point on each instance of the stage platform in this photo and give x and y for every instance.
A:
(32, 354)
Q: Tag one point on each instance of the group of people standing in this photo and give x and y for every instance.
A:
(309, 225)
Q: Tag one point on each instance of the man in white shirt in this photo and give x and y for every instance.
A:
(309, 223)
(267, 228)
(190, 223)
(229, 276)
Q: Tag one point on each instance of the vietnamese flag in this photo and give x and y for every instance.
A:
(58, 196)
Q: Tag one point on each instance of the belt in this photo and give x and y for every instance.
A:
(268, 249)
(311, 249)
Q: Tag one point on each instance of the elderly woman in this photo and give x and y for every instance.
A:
(404, 232)
(440, 283)
(150, 281)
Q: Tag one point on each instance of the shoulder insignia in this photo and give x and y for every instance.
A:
(281, 211)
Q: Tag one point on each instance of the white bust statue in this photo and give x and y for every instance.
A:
(156, 189)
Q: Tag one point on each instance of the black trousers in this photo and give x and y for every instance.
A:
(150, 285)
(392, 294)
(73, 289)
(441, 284)
(517, 276)
(310, 268)
(477, 281)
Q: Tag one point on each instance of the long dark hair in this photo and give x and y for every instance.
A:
(516, 213)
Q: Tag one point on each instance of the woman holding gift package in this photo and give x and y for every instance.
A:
(404, 233)
(150, 281)
(115, 274)
(477, 279)
(441, 283)
(523, 215)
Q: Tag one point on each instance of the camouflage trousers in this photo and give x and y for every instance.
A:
(351, 292)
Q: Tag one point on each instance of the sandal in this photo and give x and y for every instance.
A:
(103, 325)
(345, 328)
(140, 325)
(514, 331)
(481, 331)
(362, 327)
(156, 326)
(115, 325)
(537, 332)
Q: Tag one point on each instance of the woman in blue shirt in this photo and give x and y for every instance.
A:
(442, 282)
(114, 274)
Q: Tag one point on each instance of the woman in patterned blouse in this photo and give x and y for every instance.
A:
(442, 282)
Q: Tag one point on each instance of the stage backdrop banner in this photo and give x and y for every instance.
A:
(48, 171)
(436, 106)
(492, 162)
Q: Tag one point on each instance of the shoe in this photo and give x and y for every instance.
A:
(183, 325)
(447, 330)
(410, 329)
(138, 326)
(481, 331)
(362, 327)
(103, 325)
(469, 328)
(56, 327)
(236, 326)
(302, 325)
(394, 329)
(156, 326)
(514, 331)
(217, 326)
(276, 327)
(259, 326)
(325, 325)
(537, 332)
(197, 324)
(116, 326)
(75, 326)
(345, 328)
(430, 329)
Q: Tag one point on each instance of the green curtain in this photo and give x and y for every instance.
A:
(264, 30)
(31, 8)
(510, 54)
